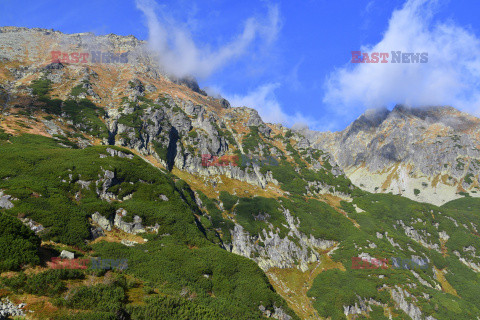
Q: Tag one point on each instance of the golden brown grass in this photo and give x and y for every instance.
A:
(293, 285)
(446, 287)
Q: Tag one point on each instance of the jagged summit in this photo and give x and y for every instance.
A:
(369, 120)
(435, 149)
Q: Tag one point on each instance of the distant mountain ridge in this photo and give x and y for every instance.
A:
(429, 154)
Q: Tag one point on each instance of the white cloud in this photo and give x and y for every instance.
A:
(263, 100)
(179, 54)
(451, 76)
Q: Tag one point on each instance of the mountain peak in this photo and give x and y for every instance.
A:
(371, 118)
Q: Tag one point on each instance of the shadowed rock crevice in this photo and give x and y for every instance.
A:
(172, 148)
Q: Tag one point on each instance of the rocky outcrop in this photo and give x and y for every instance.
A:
(34, 226)
(270, 250)
(357, 308)
(128, 227)
(5, 202)
(472, 265)
(278, 313)
(96, 232)
(104, 183)
(9, 309)
(161, 127)
(128, 243)
(120, 154)
(190, 83)
(418, 237)
(103, 222)
(400, 296)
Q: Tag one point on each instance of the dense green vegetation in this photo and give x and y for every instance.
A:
(337, 289)
(175, 308)
(101, 297)
(133, 120)
(251, 140)
(3, 135)
(296, 182)
(220, 283)
(383, 213)
(85, 115)
(18, 244)
(88, 316)
(228, 200)
(254, 214)
(41, 87)
(79, 89)
(319, 219)
(43, 176)
(161, 150)
(49, 181)
(218, 222)
(48, 283)
(464, 204)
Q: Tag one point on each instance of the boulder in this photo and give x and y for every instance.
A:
(5, 201)
(103, 222)
(67, 255)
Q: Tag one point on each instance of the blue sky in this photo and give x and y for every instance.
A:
(291, 59)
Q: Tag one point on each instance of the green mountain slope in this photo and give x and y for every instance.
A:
(45, 179)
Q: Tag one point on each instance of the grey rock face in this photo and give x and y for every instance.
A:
(54, 66)
(128, 243)
(416, 236)
(170, 129)
(276, 251)
(356, 309)
(434, 150)
(52, 128)
(400, 296)
(103, 222)
(23, 44)
(189, 82)
(137, 85)
(278, 313)
(256, 120)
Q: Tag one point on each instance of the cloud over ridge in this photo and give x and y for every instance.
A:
(451, 76)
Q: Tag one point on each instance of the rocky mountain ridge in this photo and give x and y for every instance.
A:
(429, 154)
